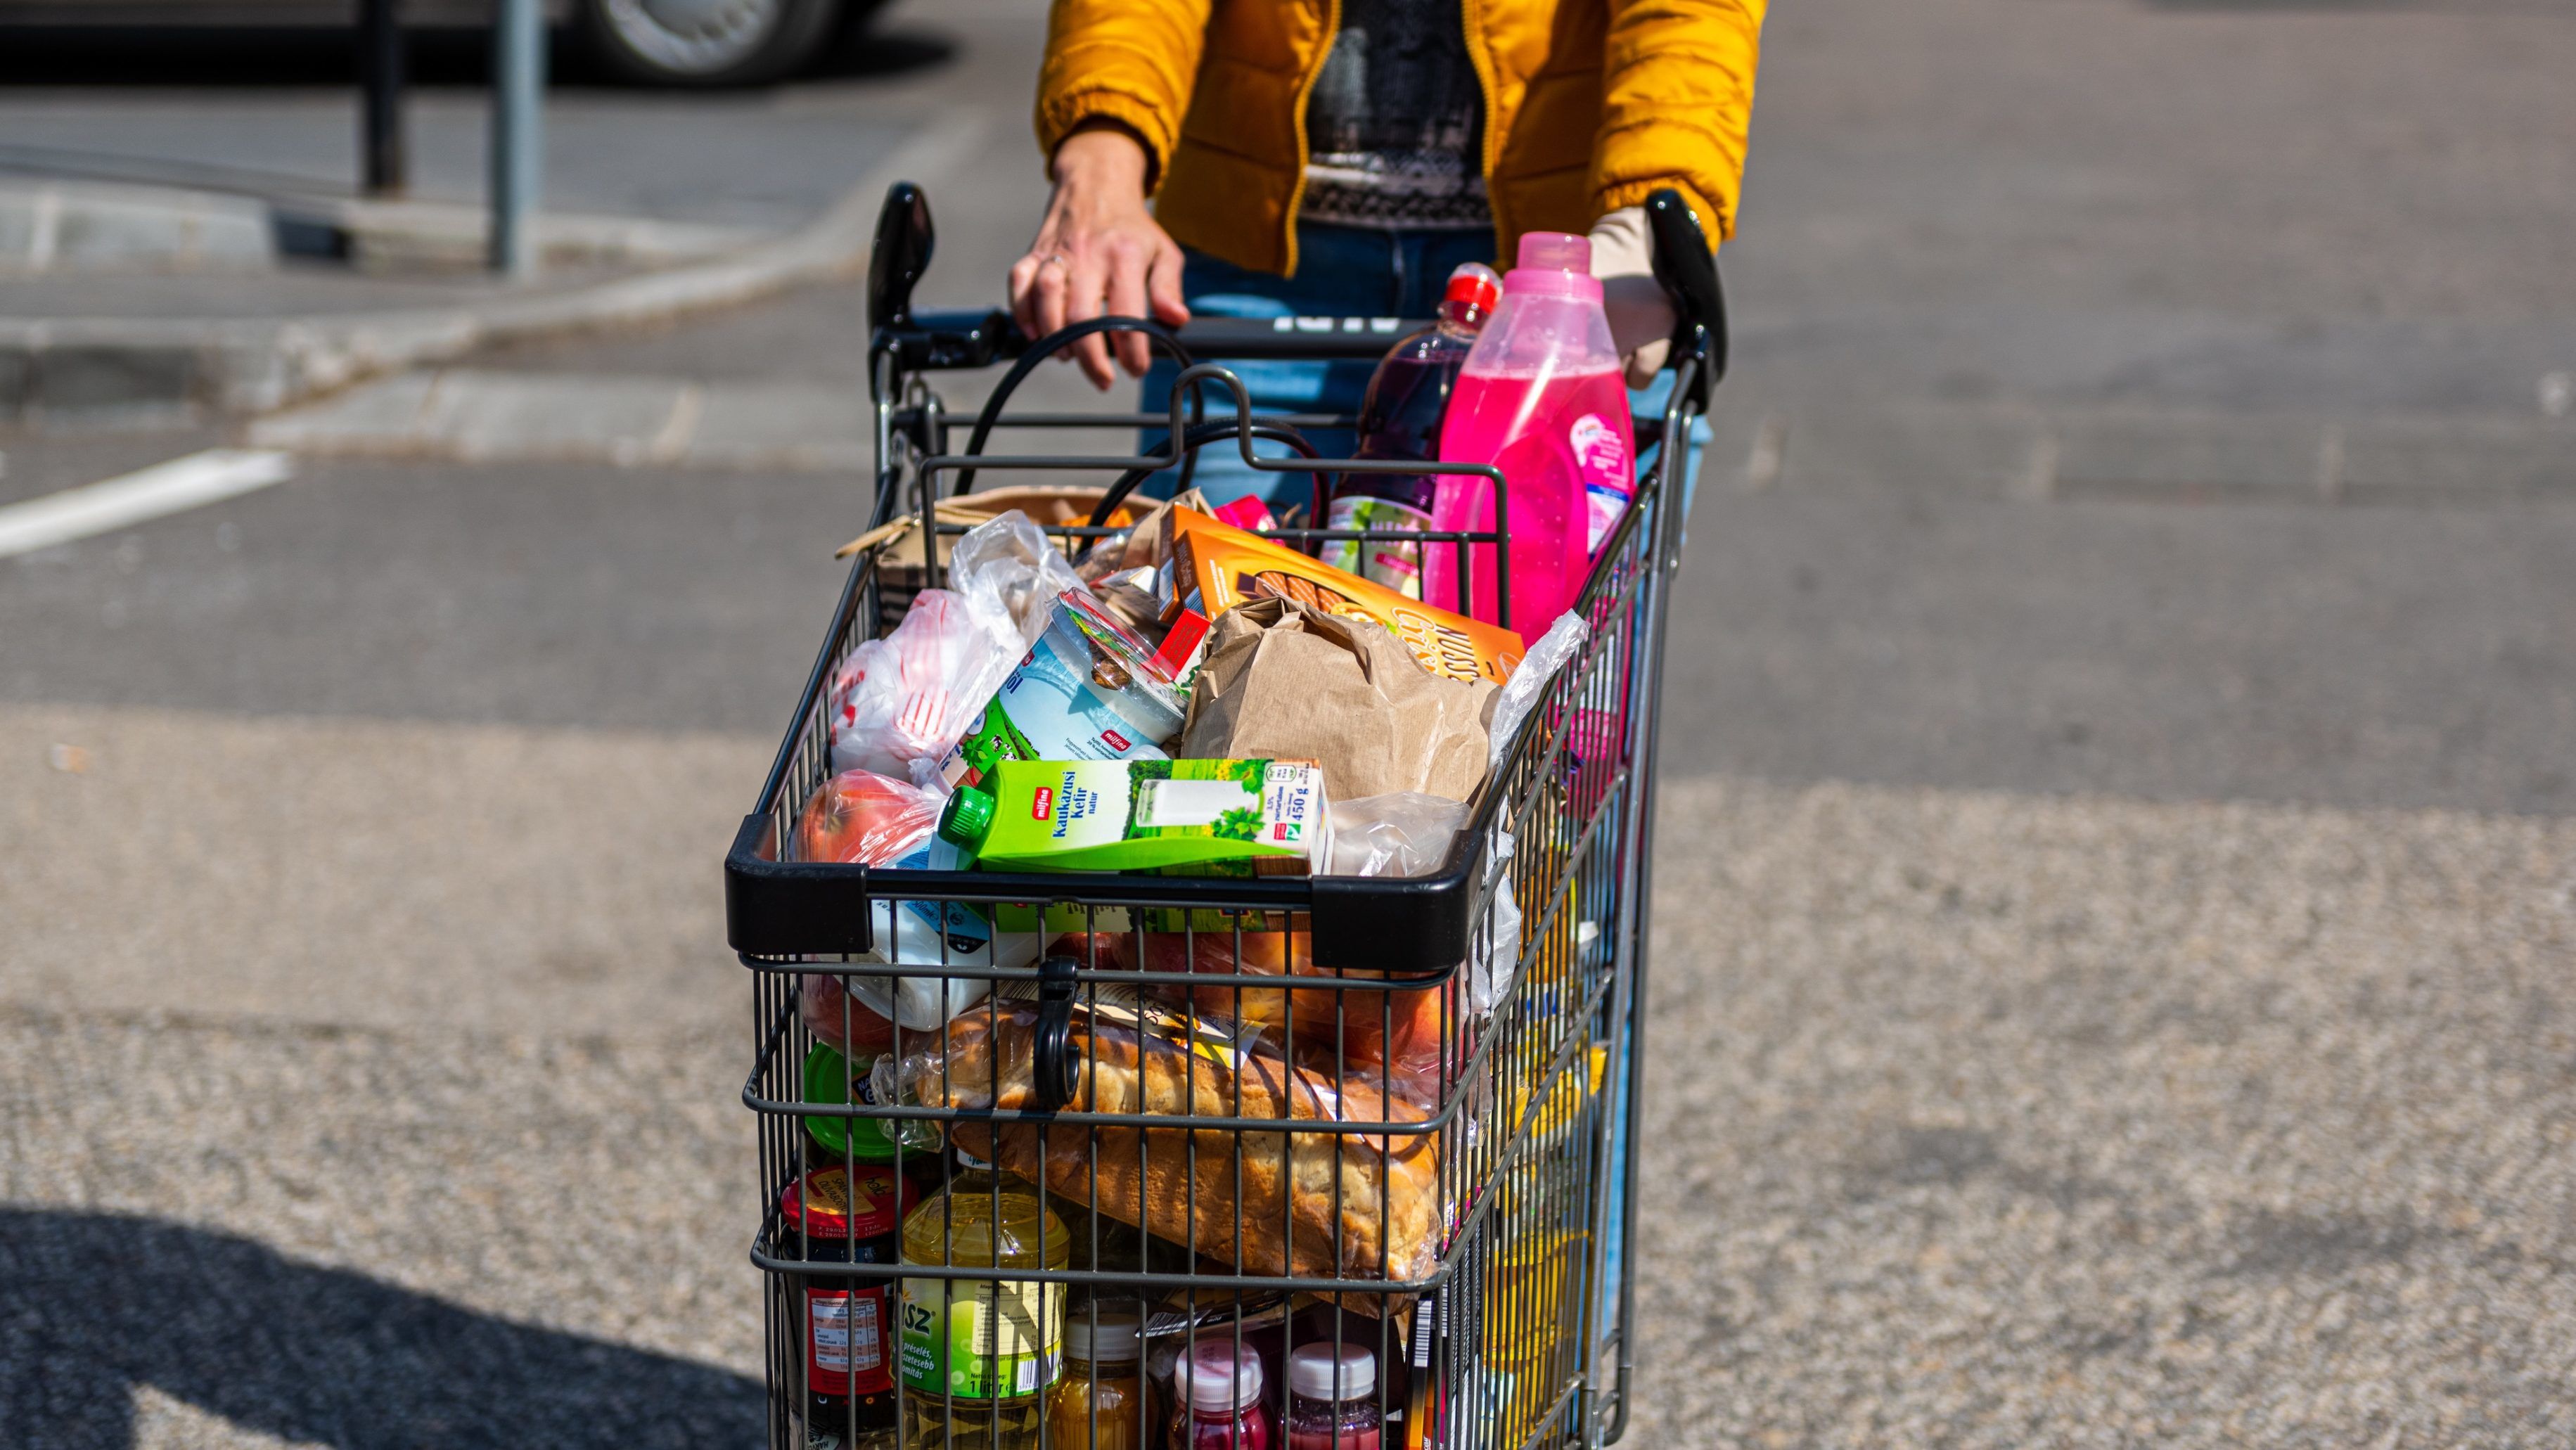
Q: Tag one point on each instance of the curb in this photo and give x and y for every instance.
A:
(53, 366)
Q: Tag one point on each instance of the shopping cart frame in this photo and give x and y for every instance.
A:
(787, 917)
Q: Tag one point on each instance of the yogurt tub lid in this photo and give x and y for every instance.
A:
(1332, 1372)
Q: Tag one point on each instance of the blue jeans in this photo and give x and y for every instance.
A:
(1341, 272)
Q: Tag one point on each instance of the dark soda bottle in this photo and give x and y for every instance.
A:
(1400, 418)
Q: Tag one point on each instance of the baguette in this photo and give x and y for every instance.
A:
(1341, 1205)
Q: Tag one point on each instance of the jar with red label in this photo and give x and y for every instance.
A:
(846, 1214)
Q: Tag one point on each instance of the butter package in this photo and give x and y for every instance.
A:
(1225, 567)
(1170, 817)
(1089, 689)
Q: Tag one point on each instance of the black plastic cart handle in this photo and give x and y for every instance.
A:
(941, 340)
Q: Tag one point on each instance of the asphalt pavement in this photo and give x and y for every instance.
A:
(2113, 915)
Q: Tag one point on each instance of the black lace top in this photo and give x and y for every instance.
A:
(1395, 126)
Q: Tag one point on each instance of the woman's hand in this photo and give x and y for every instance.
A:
(1641, 316)
(1099, 252)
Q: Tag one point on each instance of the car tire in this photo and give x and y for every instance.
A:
(704, 44)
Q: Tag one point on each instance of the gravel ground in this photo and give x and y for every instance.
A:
(1975, 1119)
(2003, 1120)
(297, 1234)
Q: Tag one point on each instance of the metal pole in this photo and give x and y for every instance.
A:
(380, 73)
(518, 132)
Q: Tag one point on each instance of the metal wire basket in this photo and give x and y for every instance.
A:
(1244, 1116)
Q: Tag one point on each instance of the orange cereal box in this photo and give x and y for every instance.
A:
(1230, 566)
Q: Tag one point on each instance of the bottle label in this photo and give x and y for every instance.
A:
(1398, 566)
(981, 1340)
(845, 1341)
(1601, 460)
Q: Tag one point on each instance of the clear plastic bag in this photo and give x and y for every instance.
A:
(1401, 833)
(1520, 693)
(1011, 565)
(898, 703)
(861, 817)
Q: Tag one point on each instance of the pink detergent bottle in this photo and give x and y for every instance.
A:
(1542, 399)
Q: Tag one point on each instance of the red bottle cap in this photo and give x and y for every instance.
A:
(1475, 284)
(819, 1203)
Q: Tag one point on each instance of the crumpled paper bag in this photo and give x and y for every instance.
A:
(1285, 682)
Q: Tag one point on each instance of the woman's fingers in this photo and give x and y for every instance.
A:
(1163, 283)
(1047, 292)
(1086, 283)
(1024, 294)
(1127, 299)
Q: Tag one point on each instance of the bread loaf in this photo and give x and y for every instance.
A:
(1312, 1204)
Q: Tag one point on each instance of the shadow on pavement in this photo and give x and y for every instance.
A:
(94, 1304)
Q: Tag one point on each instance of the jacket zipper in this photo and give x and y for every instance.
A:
(1305, 88)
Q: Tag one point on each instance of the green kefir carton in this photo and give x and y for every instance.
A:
(1172, 817)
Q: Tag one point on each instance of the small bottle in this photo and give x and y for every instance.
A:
(831, 1217)
(1334, 1399)
(1099, 1404)
(1400, 417)
(1217, 1393)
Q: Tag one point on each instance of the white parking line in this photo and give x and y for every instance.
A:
(164, 488)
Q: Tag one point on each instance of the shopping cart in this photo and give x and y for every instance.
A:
(1211, 1120)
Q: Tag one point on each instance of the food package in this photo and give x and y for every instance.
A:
(1225, 567)
(898, 703)
(1351, 1205)
(1389, 1039)
(1236, 818)
(1143, 546)
(1286, 681)
(1089, 689)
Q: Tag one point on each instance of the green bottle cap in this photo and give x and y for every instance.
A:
(967, 818)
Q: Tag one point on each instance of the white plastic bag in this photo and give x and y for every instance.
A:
(1496, 954)
(1520, 693)
(1009, 564)
(1401, 833)
(898, 703)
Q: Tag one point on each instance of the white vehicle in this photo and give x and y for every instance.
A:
(692, 43)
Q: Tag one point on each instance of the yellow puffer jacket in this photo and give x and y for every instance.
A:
(1590, 105)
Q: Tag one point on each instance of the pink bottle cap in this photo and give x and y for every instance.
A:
(1561, 251)
(1554, 264)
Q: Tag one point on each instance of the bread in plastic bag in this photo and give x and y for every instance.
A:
(1353, 1205)
(1389, 1037)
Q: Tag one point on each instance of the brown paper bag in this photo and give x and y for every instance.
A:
(1284, 682)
